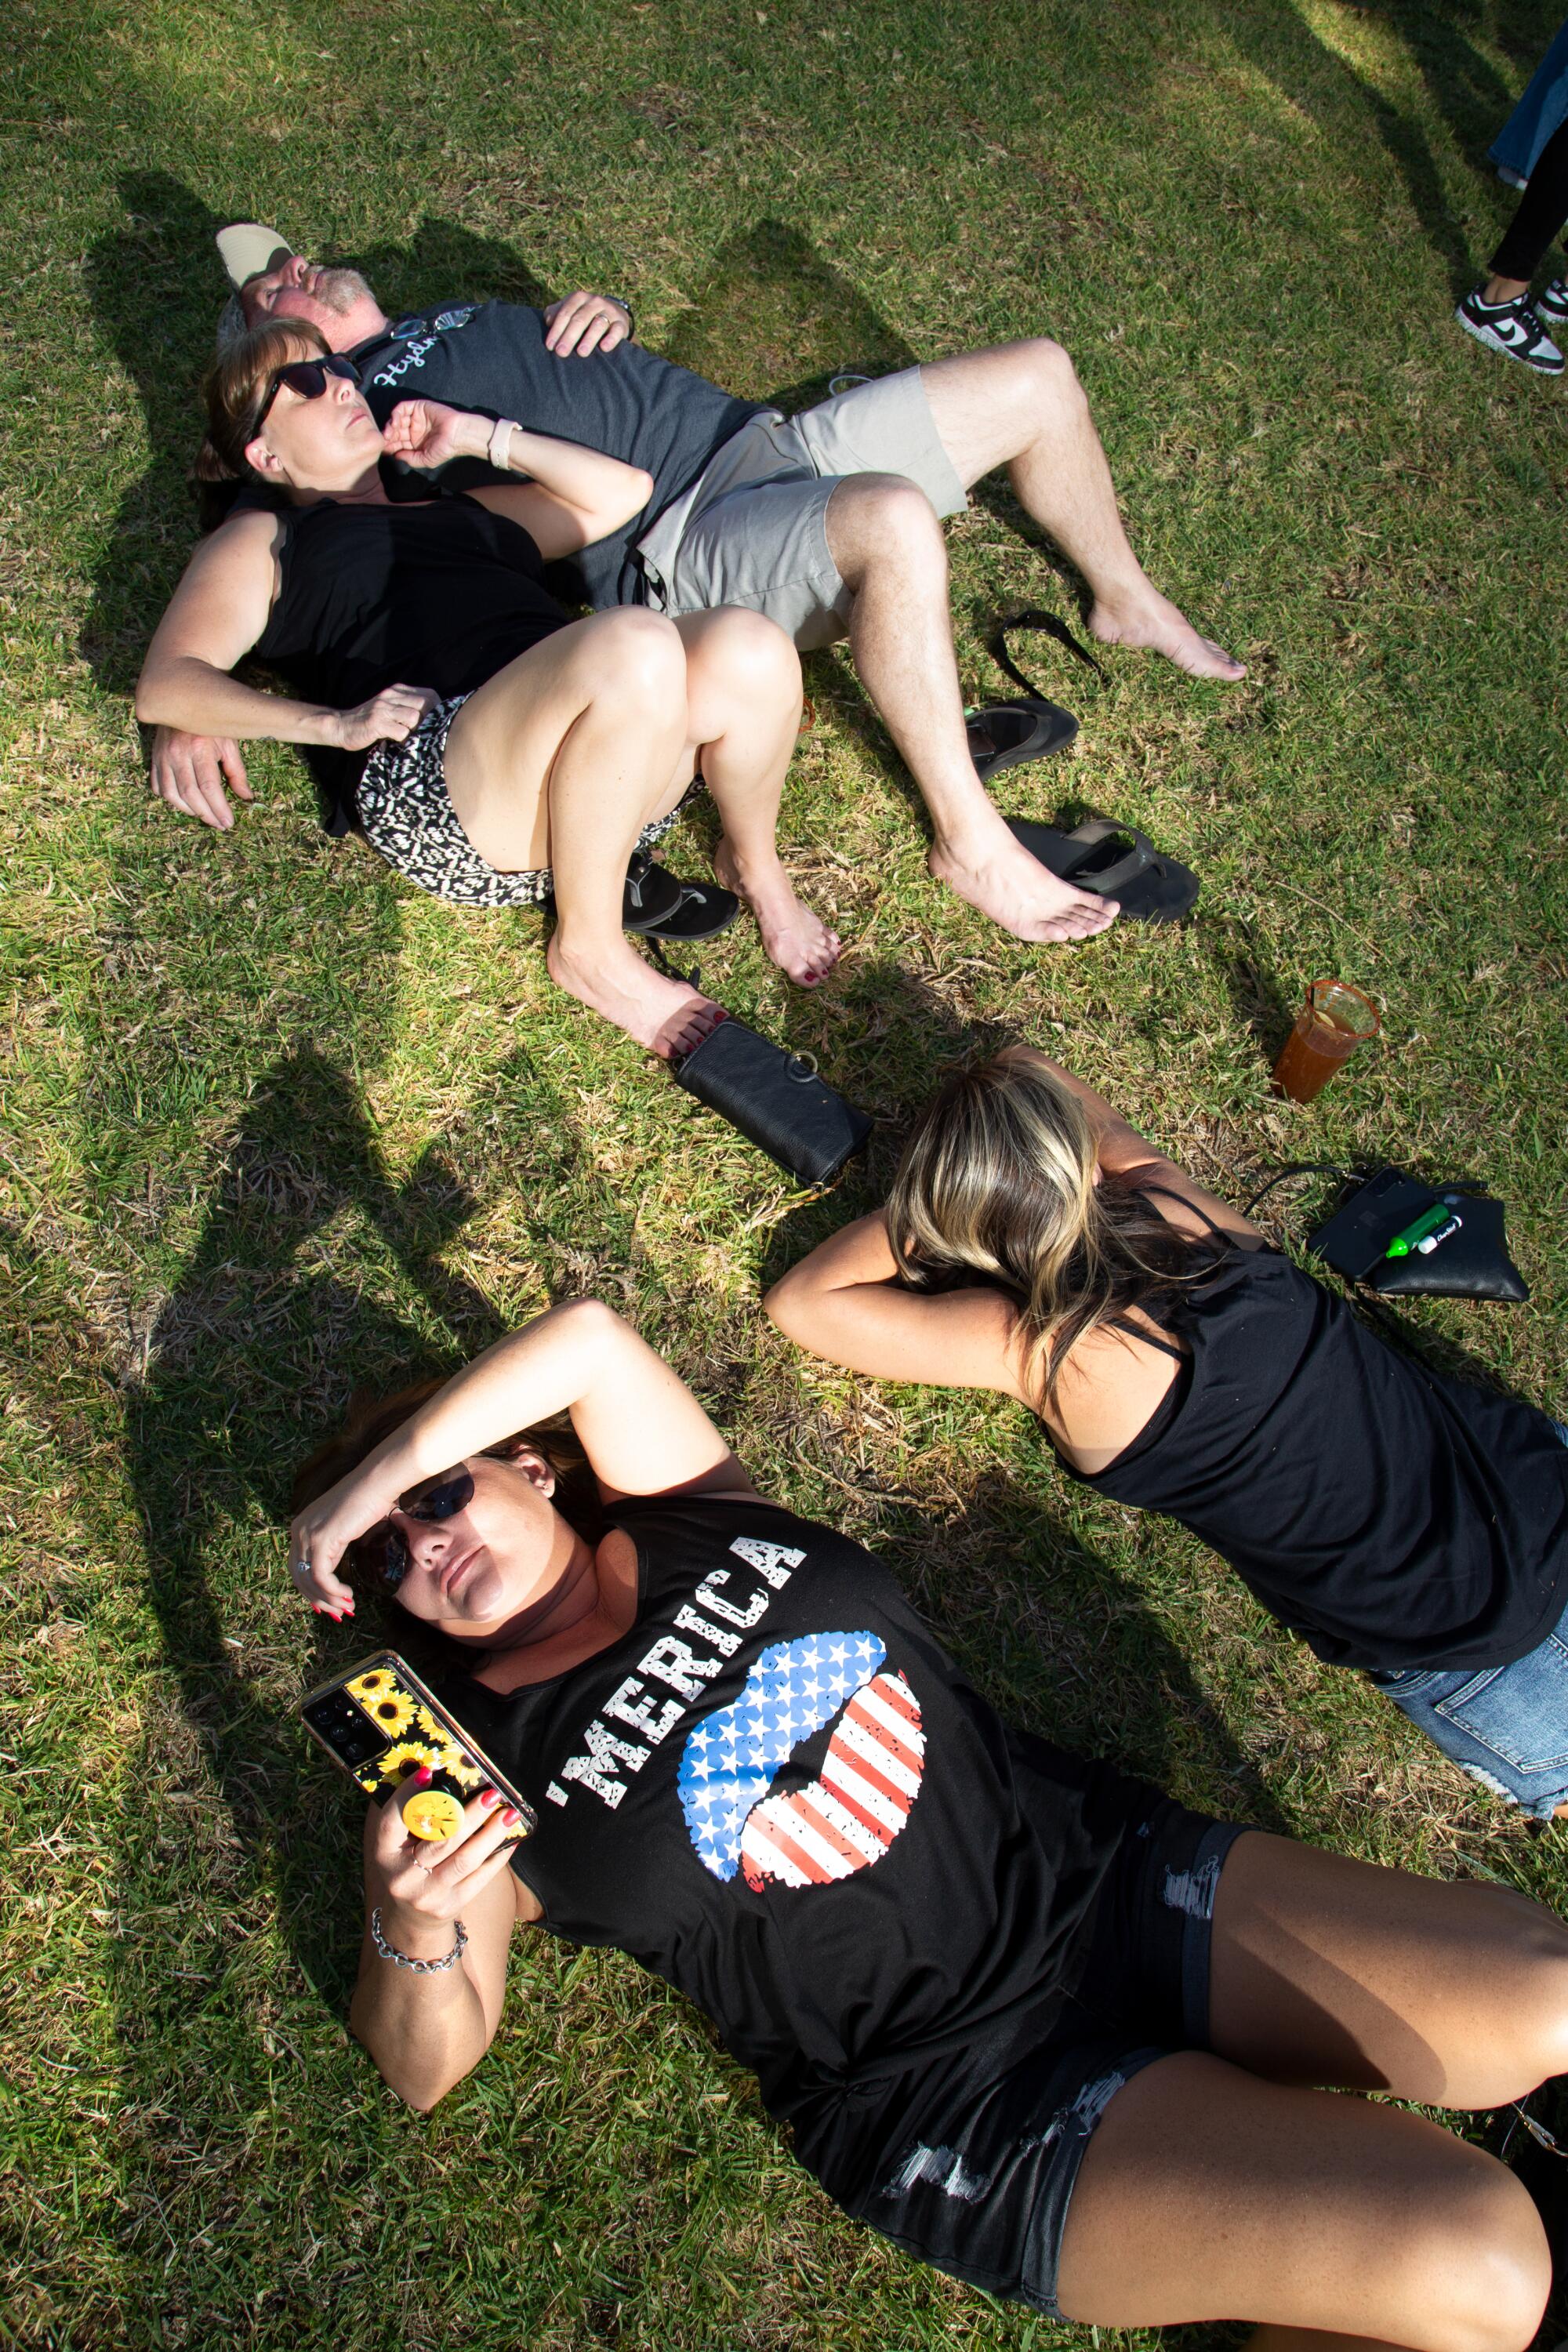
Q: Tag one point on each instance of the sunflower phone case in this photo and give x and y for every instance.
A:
(380, 1723)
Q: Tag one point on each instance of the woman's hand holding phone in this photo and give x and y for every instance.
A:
(422, 1883)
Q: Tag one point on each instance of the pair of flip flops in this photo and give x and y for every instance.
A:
(1112, 860)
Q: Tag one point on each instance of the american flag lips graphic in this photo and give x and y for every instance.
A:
(850, 1815)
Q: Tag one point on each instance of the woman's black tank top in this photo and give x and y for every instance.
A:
(441, 593)
(779, 1794)
(1391, 1517)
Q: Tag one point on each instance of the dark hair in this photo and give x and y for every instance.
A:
(997, 1184)
(235, 390)
(370, 1420)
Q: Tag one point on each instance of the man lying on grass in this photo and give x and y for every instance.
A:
(1031, 2020)
(826, 523)
(498, 753)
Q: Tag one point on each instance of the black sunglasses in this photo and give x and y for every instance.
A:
(382, 1549)
(308, 378)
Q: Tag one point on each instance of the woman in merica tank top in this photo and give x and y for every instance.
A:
(1035, 2022)
(491, 750)
(1411, 1525)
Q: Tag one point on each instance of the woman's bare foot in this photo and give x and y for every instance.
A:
(665, 1015)
(996, 874)
(1154, 624)
(798, 941)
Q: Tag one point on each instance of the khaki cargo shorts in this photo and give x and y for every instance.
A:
(752, 529)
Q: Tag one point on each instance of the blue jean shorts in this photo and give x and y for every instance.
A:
(980, 2179)
(1507, 1727)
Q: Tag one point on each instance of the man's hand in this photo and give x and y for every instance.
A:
(188, 773)
(586, 322)
(428, 434)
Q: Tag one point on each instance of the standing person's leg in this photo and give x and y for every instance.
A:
(743, 703)
(1211, 2189)
(1541, 211)
(1020, 405)
(560, 760)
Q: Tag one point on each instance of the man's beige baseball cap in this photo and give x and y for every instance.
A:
(246, 249)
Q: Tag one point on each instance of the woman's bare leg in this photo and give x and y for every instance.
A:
(1329, 1970)
(560, 760)
(1211, 2192)
(1206, 2194)
(743, 695)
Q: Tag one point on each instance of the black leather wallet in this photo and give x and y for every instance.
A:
(776, 1100)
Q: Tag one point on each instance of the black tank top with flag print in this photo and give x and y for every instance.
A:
(780, 1795)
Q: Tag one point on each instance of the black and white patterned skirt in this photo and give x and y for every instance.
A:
(407, 816)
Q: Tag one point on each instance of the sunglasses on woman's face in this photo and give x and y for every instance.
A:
(308, 378)
(382, 1549)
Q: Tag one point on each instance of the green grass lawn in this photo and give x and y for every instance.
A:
(274, 1124)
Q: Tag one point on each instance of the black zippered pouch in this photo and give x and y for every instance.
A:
(776, 1100)
(1377, 1204)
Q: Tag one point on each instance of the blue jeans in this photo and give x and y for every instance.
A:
(1507, 1727)
(1538, 113)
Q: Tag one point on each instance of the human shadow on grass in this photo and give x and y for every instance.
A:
(273, 1320)
(157, 288)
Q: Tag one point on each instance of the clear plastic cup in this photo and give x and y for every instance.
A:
(1335, 1020)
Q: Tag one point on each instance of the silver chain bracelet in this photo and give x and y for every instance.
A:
(404, 1960)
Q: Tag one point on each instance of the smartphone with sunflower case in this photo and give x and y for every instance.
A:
(379, 1722)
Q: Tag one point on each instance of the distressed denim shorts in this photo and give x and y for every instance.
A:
(982, 2190)
(1507, 1727)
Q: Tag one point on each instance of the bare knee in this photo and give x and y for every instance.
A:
(1476, 2269)
(1533, 1997)
(744, 654)
(883, 519)
(1048, 370)
(631, 654)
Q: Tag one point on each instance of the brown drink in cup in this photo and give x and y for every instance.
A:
(1335, 1020)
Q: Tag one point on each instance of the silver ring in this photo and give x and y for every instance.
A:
(301, 1567)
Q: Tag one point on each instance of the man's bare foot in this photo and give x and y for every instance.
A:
(1154, 625)
(665, 1015)
(1004, 881)
(798, 941)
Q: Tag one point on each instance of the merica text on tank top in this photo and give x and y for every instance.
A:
(441, 593)
(779, 1794)
(627, 404)
(1393, 1517)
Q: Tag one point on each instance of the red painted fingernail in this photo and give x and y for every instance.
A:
(510, 1815)
(422, 1775)
(489, 1796)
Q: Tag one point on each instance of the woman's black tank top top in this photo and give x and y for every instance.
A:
(1391, 1517)
(779, 1794)
(441, 593)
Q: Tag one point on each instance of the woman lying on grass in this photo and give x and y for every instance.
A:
(1031, 2020)
(1412, 1526)
(494, 750)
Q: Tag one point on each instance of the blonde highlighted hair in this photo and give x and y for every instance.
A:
(998, 1185)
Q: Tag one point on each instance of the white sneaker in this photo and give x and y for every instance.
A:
(1514, 329)
(1554, 303)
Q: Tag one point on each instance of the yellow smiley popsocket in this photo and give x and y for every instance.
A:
(431, 1814)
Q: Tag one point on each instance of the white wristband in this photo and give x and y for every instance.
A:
(501, 432)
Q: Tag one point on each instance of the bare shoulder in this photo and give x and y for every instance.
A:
(1186, 1203)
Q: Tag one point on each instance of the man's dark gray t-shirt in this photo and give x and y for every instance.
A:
(627, 404)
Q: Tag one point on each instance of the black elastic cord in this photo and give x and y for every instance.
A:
(1047, 626)
(1302, 1168)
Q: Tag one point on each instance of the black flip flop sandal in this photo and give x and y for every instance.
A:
(1115, 861)
(1030, 727)
(1009, 734)
(701, 910)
